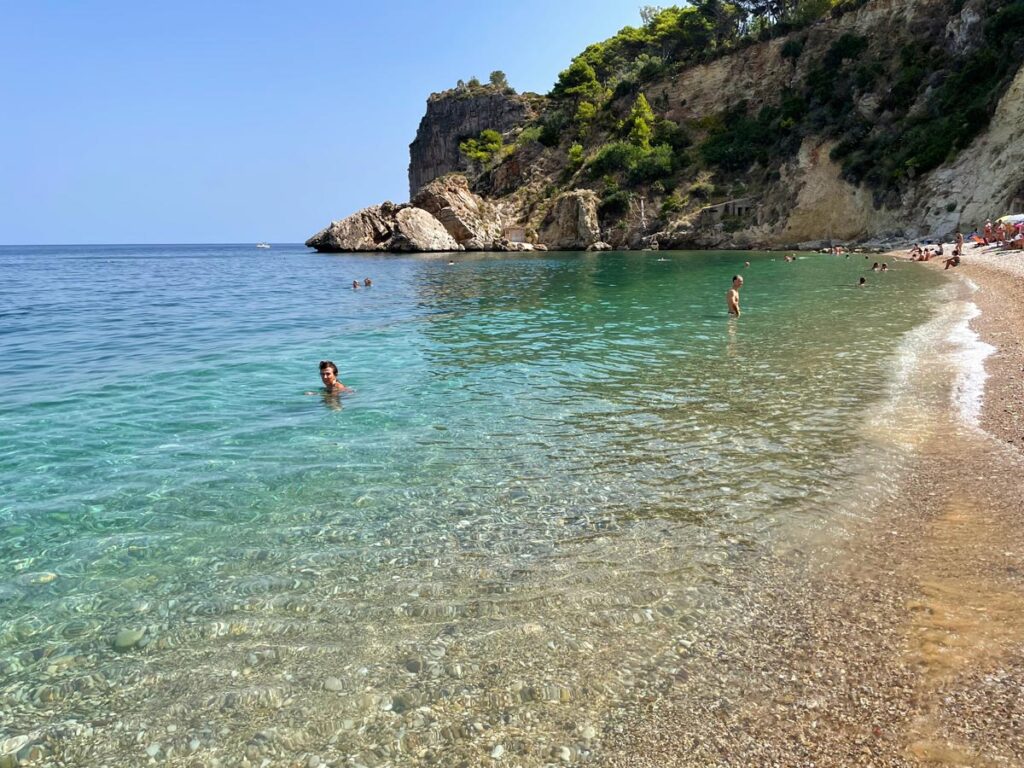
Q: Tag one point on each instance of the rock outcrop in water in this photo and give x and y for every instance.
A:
(385, 227)
(473, 223)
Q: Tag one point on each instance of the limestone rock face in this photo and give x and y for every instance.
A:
(964, 32)
(417, 231)
(385, 227)
(467, 218)
(452, 116)
(366, 230)
(825, 205)
(571, 223)
(984, 178)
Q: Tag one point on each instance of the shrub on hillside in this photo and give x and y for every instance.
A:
(619, 156)
(483, 148)
(614, 204)
(657, 163)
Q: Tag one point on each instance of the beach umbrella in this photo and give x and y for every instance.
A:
(1013, 218)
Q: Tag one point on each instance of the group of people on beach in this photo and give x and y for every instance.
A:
(1003, 233)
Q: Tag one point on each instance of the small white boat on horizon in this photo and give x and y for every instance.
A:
(262, 245)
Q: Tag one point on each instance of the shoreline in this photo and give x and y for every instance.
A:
(903, 643)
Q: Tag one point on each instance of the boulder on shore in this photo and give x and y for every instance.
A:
(385, 227)
(466, 217)
(571, 223)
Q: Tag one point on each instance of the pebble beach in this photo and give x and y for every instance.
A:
(901, 641)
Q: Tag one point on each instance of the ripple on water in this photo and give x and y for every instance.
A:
(551, 476)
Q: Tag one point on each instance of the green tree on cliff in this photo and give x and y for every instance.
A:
(639, 123)
(578, 82)
(484, 148)
(499, 80)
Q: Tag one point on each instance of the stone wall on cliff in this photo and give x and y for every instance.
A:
(453, 116)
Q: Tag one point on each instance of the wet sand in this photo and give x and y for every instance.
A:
(897, 641)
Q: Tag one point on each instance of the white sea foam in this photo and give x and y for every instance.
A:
(970, 353)
(942, 351)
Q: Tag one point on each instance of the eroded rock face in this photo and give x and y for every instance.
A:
(474, 224)
(571, 222)
(385, 227)
(452, 116)
(417, 231)
(366, 230)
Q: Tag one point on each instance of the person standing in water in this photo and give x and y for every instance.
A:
(732, 296)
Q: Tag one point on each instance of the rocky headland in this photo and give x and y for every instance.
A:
(881, 121)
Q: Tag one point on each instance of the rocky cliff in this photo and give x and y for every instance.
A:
(730, 161)
(456, 115)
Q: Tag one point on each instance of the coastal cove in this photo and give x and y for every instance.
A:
(566, 493)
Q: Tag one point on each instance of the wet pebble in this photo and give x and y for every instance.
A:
(333, 684)
(127, 639)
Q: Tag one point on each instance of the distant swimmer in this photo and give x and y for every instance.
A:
(450, 262)
(329, 376)
(368, 282)
(863, 282)
(746, 263)
(732, 296)
(885, 266)
(355, 285)
(874, 267)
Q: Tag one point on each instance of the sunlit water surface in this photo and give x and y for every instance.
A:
(550, 472)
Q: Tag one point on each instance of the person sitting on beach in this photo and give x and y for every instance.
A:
(952, 261)
(732, 296)
(329, 376)
(915, 252)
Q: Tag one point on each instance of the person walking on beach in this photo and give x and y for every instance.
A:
(732, 296)
(958, 250)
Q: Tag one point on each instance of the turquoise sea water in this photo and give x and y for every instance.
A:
(548, 469)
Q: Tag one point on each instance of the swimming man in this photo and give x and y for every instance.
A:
(329, 376)
(732, 296)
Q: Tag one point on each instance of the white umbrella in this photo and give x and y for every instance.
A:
(1013, 218)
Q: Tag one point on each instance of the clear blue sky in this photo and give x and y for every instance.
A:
(139, 122)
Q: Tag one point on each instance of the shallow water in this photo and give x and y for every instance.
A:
(551, 470)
